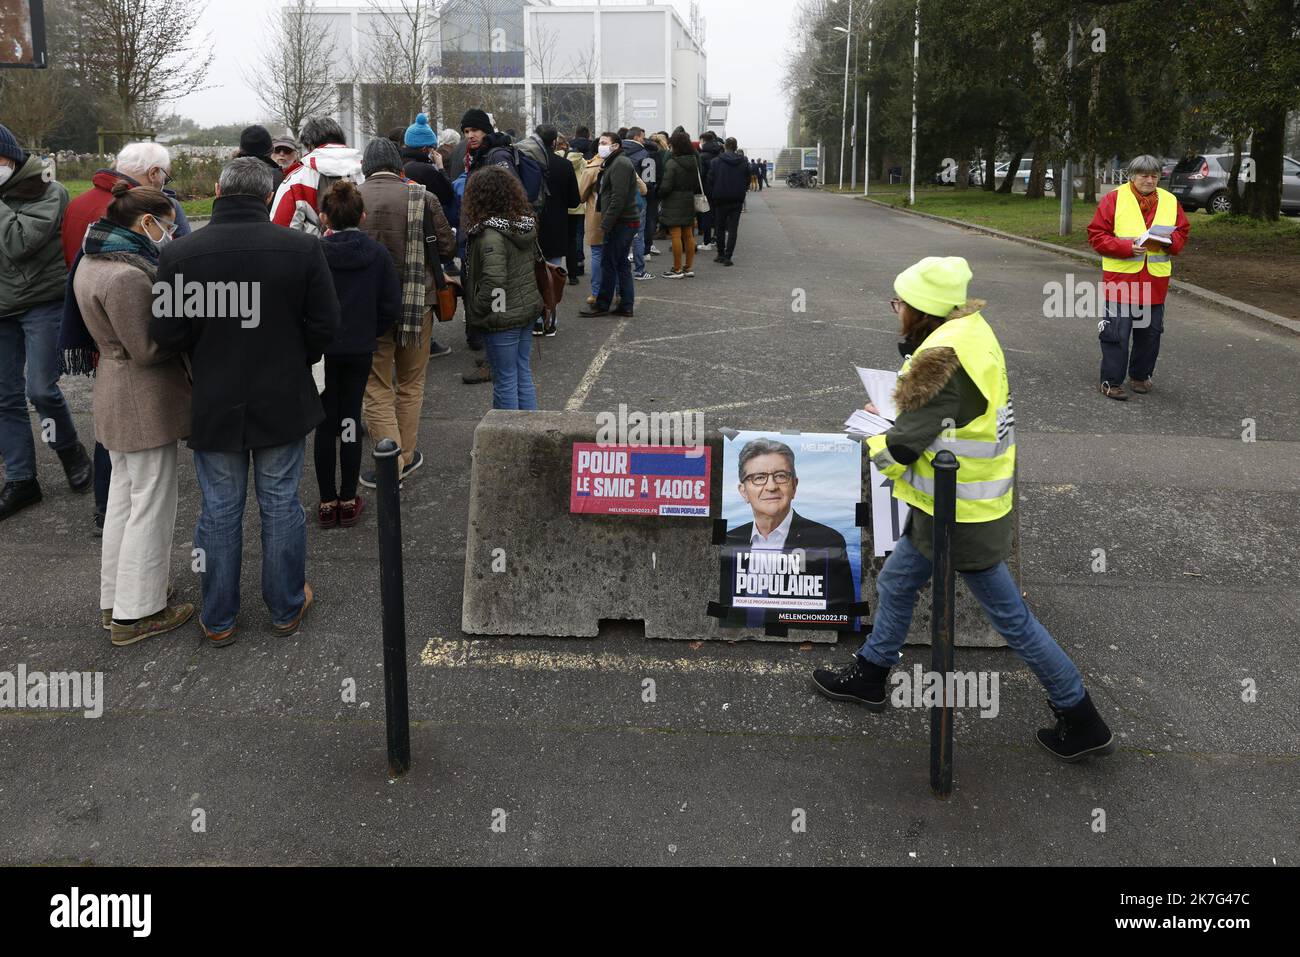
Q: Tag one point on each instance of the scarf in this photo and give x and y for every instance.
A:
(411, 323)
(1146, 203)
(78, 351)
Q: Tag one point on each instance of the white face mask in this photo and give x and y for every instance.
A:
(166, 235)
(5, 173)
(605, 150)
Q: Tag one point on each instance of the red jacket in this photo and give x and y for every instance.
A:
(86, 209)
(1140, 288)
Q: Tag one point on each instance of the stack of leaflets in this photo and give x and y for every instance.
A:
(879, 384)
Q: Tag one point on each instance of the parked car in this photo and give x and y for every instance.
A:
(1201, 182)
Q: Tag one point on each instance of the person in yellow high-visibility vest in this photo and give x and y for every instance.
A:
(953, 394)
(1135, 275)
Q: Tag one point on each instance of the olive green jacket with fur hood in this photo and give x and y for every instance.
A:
(501, 288)
(935, 390)
(32, 270)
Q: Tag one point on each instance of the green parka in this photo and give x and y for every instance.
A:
(32, 270)
(501, 288)
(677, 191)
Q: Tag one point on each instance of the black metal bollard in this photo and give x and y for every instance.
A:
(942, 621)
(391, 591)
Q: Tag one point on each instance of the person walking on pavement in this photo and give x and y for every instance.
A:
(682, 182)
(501, 295)
(953, 395)
(406, 219)
(616, 200)
(728, 185)
(254, 397)
(141, 409)
(1135, 276)
(33, 276)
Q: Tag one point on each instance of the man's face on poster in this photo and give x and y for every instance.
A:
(769, 485)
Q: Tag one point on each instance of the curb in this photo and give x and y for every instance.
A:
(1196, 292)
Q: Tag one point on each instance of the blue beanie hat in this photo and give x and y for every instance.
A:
(9, 147)
(419, 133)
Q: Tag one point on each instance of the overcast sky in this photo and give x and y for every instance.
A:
(745, 45)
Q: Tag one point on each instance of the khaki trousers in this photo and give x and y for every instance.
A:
(395, 390)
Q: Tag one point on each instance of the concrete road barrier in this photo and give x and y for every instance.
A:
(532, 568)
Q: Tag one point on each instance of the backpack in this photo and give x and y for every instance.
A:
(532, 165)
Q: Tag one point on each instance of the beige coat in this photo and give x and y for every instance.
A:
(142, 395)
(587, 177)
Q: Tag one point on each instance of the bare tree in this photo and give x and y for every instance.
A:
(35, 103)
(141, 53)
(291, 79)
(392, 74)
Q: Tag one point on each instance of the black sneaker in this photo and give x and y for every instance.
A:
(369, 480)
(77, 467)
(16, 496)
(538, 326)
(550, 327)
(436, 350)
(98, 531)
(416, 461)
(862, 682)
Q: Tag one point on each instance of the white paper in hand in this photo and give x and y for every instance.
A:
(880, 385)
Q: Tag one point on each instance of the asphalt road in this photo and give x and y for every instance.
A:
(554, 737)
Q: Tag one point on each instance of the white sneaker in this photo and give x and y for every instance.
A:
(674, 274)
(653, 251)
(645, 275)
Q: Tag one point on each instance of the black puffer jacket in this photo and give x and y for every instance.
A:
(368, 287)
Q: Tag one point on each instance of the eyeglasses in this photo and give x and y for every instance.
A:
(759, 479)
(281, 149)
(896, 304)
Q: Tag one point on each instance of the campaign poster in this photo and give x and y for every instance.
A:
(667, 480)
(22, 33)
(792, 556)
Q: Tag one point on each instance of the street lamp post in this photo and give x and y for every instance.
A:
(853, 135)
(866, 143)
(844, 109)
(916, 59)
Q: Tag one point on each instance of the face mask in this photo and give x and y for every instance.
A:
(605, 150)
(5, 173)
(166, 236)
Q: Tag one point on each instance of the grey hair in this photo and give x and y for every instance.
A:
(1146, 163)
(320, 130)
(245, 176)
(757, 447)
(141, 157)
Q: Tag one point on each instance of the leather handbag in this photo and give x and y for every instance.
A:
(701, 201)
(445, 305)
(551, 280)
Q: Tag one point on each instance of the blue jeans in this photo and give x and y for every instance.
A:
(639, 242)
(906, 570)
(1145, 326)
(615, 270)
(223, 481)
(508, 354)
(29, 369)
(596, 253)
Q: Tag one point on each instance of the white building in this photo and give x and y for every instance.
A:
(596, 63)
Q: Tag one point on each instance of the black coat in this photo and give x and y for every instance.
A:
(825, 551)
(253, 386)
(728, 179)
(418, 169)
(562, 183)
(709, 152)
(368, 287)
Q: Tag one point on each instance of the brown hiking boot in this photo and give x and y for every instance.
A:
(1140, 386)
(291, 627)
(480, 373)
(1114, 392)
(171, 617)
